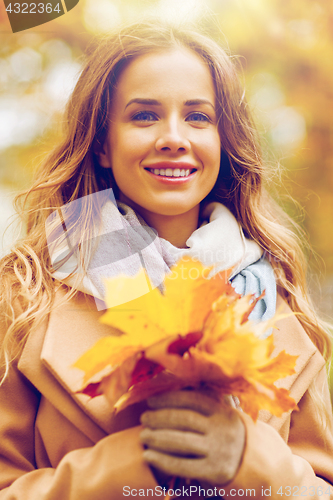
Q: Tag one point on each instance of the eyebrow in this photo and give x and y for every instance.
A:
(147, 102)
(154, 102)
(196, 102)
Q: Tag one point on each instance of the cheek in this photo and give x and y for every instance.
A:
(214, 152)
(130, 145)
(210, 145)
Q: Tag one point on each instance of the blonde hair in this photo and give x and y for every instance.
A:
(72, 171)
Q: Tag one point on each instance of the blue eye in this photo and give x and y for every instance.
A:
(144, 116)
(198, 117)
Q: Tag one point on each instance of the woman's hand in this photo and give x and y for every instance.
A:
(190, 434)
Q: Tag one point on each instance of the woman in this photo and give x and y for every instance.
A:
(158, 117)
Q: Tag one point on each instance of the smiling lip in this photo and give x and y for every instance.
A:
(184, 171)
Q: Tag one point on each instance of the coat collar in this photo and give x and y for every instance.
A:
(73, 327)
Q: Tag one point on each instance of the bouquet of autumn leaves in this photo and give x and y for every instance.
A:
(197, 333)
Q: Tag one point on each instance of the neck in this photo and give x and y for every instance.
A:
(174, 228)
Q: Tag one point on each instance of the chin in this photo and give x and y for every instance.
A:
(170, 210)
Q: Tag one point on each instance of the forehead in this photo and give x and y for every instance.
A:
(167, 73)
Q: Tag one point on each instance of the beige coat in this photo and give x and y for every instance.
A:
(56, 445)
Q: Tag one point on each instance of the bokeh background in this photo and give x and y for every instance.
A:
(285, 52)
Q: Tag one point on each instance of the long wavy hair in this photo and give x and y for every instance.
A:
(72, 172)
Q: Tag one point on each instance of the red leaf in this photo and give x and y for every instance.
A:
(92, 390)
(144, 370)
(182, 344)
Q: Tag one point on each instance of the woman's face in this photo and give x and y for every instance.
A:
(163, 144)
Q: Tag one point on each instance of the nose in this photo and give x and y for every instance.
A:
(172, 138)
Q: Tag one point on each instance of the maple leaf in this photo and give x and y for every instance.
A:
(156, 315)
(254, 397)
(153, 316)
(197, 332)
(104, 357)
(164, 381)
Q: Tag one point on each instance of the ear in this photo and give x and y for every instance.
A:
(103, 155)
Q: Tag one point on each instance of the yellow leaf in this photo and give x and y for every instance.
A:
(125, 289)
(107, 352)
(253, 397)
(182, 308)
(118, 382)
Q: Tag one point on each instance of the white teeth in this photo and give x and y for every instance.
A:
(169, 172)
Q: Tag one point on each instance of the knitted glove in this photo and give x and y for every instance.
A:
(192, 435)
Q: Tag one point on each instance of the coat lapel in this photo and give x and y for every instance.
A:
(47, 360)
